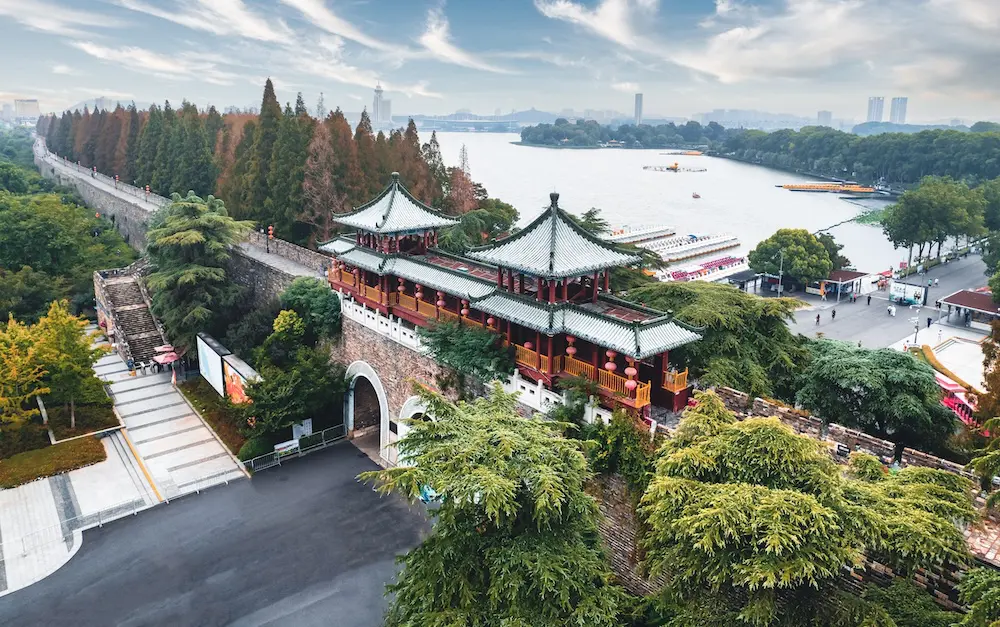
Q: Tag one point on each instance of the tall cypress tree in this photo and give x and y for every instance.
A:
(322, 195)
(413, 169)
(260, 164)
(97, 122)
(81, 126)
(52, 134)
(195, 168)
(435, 163)
(178, 143)
(162, 175)
(107, 141)
(64, 138)
(149, 141)
(234, 189)
(130, 171)
(213, 124)
(288, 161)
(349, 180)
(367, 160)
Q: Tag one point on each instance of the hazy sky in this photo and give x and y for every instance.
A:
(687, 56)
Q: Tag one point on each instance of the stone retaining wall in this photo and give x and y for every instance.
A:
(263, 282)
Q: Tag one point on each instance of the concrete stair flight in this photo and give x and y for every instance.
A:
(135, 320)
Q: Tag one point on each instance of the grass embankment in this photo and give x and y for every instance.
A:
(215, 410)
(51, 460)
(89, 418)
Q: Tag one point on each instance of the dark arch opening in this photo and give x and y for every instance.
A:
(367, 412)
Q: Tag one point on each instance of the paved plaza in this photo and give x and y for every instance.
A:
(872, 325)
(304, 544)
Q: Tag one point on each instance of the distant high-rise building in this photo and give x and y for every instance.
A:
(897, 110)
(376, 115)
(8, 112)
(386, 112)
(875, 106)
(638, 109)
(26, 109)
(824, 118)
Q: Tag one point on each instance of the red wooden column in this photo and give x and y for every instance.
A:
(538, 293)
(500, 278)
(553, 285)
(596, 276)
(510, 281)
(551, 341)
(521, 282)
(607, 280)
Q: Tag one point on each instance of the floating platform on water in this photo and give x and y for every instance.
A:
(672, 168)
(836, 188)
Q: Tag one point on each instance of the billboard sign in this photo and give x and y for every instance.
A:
(210, 354)
(237, 374)
(908, 293)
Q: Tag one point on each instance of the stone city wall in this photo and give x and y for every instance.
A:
(302, 256)
(742, 405)
(263, 282)
(129, 218)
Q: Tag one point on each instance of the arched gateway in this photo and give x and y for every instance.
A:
(366, 405)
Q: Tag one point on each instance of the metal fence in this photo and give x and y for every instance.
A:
(304, 446)
(63, 532)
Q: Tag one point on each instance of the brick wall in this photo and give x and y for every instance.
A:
(263, 282)
(397, 366)
(619, 528)
(298, 254)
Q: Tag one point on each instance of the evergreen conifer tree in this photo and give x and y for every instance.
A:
(129, 171)
(213, 124)
(89, 153)
(364, 141)
(435, 165)
(235, 189)
(149, 142)
(64, 138)
(284, 201)
(196, 172)
(322, 195)
(107, 142)
(348, 176)
(161, 178)
(81, 126)
(265, 136)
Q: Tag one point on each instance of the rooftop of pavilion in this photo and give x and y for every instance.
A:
(395, 212)
(554, 246)
(627, 328)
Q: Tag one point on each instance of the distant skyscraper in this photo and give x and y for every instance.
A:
(26, 109)
(824, 118)
(376, 115)
(897, 110)
(638, 109)
(386, 112)
(8, 112)
(875, 106)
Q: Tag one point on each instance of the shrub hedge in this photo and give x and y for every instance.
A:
(51, 460)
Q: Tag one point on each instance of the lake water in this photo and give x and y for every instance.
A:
(735, 198)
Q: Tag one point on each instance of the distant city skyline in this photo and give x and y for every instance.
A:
(876, 108)
(897, 111)
(435, 56)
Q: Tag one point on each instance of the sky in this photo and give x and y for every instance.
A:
(437, 56)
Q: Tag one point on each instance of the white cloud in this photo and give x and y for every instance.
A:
(220, 17)
(551, 58)
(612, 19)
(178, 66)
(326, 61)
(58, 20)
(60, 68)
(626, 87)
(437, 41)
(325, 19)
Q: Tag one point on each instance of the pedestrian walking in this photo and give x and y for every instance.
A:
(888, 310)
(859, 343)
(892, 311)
(833, 314)
(929, 320)
(817, 319)
(935, 282)
(869, 299)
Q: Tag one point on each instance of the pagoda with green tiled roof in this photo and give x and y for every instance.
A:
(545, 289)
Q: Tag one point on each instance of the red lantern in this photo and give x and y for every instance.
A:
(490, 321)
(571, 350)
(611, 366)
(401, 289)
(631, 384)
(465, 312)
(418, 294)
(631, 372)
(610, 353)
(441, 303)
(529, 345)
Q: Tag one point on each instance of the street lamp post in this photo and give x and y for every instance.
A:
(916, 329)
(781, 271)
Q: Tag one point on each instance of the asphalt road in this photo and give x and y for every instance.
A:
(870, 323)
(303, 544)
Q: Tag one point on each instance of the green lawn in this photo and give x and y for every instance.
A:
(51, 460)
(89, 418)
(216, 412)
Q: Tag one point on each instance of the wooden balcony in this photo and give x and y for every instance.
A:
(536, 361)
(579, 368)
(675, 381)
(615, 384)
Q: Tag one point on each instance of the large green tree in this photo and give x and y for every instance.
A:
(515, 537)
(746, 343)
(149, 141)
(935, 210)
(259, 167)
(189, 250)
(761, 520)
(317, 305)
(980, 591)
(288, 163)
(795, 253)
(884, 392)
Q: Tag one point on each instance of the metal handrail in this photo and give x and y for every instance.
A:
(326, 437)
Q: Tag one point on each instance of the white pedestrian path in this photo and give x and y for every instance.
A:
(177, 447)
(41, 522)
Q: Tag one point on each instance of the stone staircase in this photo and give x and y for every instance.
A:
(134, 318)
